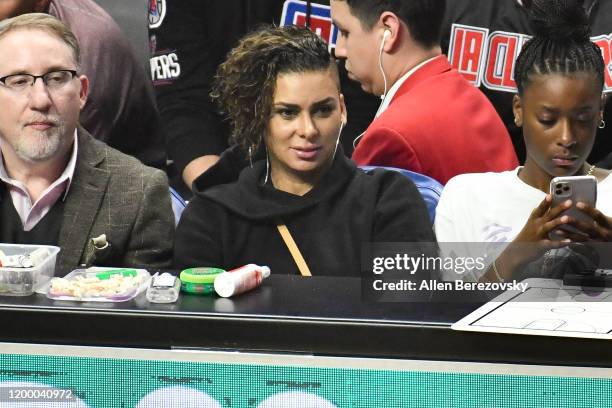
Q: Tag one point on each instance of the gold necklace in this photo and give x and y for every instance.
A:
(590, 171)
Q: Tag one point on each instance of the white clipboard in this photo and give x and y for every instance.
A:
(546, 308)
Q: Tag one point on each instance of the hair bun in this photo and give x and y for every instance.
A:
(560, 20)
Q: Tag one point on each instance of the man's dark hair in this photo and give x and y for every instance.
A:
(561, 44)
(423, 17)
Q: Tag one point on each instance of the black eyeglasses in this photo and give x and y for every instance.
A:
(53, 80)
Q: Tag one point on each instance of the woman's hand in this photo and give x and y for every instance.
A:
(542, 221)
(599, 228)
(533, 240)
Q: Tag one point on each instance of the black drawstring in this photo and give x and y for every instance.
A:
(590, 8)
(308, 12)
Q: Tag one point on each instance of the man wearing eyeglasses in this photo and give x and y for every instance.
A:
(120, 110)
(59, 185)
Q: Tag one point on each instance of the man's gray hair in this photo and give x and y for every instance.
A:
(44, 22)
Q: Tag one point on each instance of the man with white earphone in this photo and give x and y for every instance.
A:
(430, 120)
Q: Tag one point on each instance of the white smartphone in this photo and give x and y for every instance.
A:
(575, 188)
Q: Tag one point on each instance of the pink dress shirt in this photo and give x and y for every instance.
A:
(31, 214)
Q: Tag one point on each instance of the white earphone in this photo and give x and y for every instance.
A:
(342, 124)
(386, 35)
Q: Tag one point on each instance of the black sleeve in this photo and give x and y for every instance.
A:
(402, 222)
(192, 39)
(198, 240)
(401, 214)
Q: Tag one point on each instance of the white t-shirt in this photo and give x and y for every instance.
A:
(494, 207)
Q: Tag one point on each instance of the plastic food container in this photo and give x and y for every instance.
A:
(199, 280)
(99, 284)
(15, 281)
(164, 288)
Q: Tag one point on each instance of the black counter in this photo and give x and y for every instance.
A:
(318, 315)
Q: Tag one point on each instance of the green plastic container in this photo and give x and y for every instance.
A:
(199, 280)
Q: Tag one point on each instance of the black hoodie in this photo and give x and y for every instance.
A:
(233, 224)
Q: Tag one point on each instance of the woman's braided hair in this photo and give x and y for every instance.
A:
(561, 44)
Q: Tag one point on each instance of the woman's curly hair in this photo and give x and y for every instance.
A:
(244, 84)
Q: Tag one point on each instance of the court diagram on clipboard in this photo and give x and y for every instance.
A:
(546, 308)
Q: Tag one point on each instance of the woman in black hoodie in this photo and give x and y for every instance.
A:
(280, 89)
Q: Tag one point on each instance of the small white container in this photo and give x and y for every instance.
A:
(240, 280)
(164, 288)
(24, 281)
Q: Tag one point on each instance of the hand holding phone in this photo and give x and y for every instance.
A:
(577, 189)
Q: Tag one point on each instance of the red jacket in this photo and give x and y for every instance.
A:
(439, 125)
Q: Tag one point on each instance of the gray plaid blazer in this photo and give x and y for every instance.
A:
(114, 194)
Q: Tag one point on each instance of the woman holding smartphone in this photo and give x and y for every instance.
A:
(560, 75)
